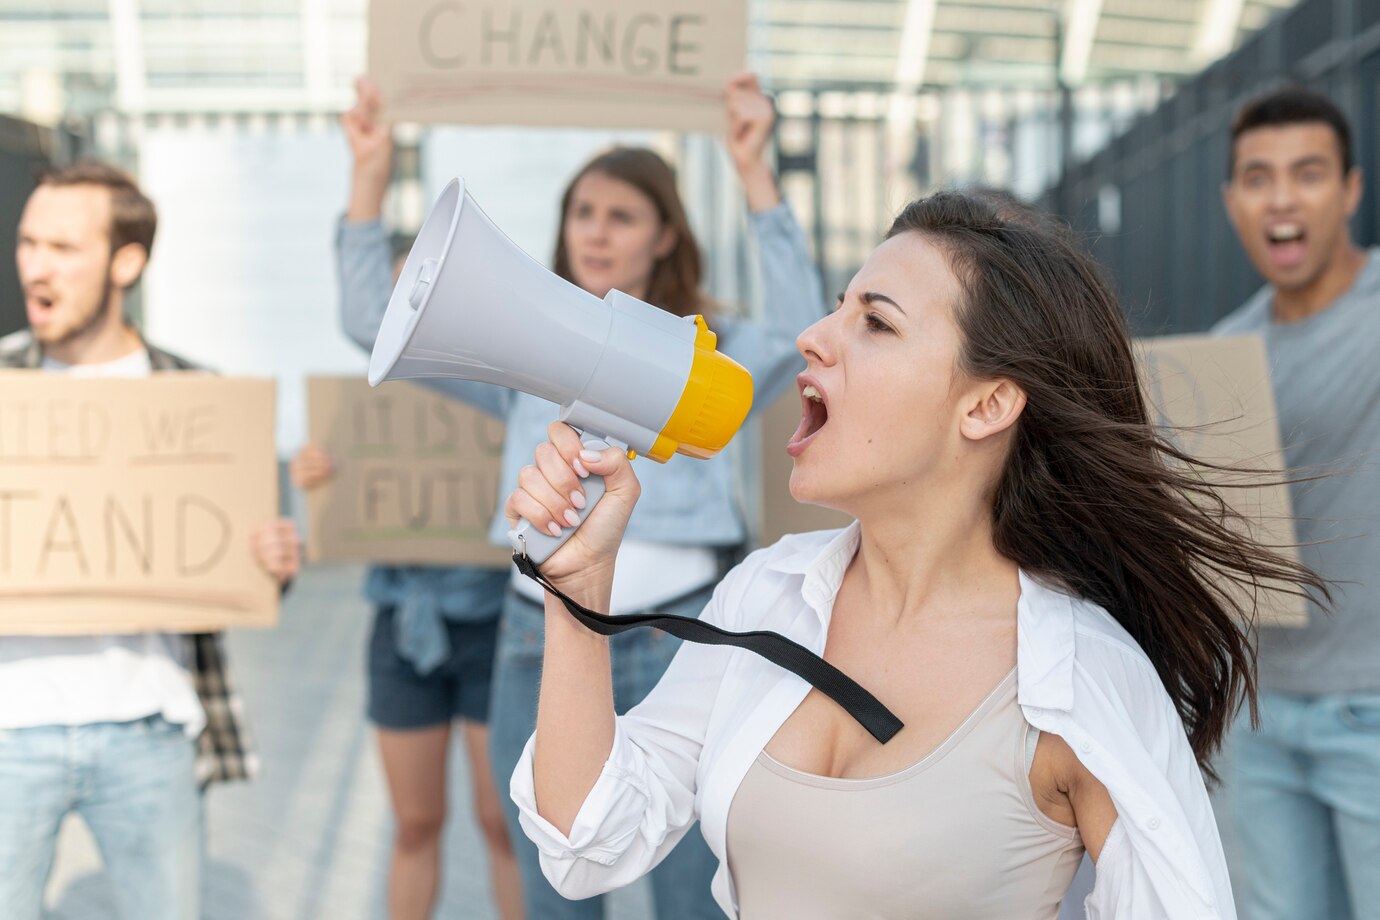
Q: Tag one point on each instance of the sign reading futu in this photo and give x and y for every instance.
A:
(584, 63)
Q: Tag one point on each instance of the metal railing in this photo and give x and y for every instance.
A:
(851, 156)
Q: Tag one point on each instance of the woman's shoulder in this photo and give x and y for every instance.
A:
(1100, 647)
(1113, 668)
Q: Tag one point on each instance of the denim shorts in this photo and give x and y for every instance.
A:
(401, 699)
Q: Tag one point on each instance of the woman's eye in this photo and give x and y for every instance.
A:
(875, 324)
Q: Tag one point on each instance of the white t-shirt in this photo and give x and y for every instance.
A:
(79, 680)
(649, 574)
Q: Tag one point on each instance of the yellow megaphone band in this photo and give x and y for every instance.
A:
(716, 399)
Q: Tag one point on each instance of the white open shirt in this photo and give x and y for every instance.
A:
(681, 754)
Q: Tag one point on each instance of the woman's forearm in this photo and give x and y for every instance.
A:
(367, 190)
(759, 187)
(575, 715)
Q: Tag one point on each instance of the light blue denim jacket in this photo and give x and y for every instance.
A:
(685, 501)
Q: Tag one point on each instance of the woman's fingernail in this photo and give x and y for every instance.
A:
(589, 456)
(580, 470)
(554, 529)
(572, 518)
(577, 498)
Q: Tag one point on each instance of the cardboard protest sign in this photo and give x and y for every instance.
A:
(581, 63)
(127, 505)
(416, 476)
(1215, 393)
(782, 514)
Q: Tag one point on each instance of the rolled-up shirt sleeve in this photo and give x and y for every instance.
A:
(644, 799)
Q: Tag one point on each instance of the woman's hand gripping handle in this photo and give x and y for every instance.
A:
(572, 506)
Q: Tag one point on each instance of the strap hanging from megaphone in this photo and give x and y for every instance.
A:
(869, 712)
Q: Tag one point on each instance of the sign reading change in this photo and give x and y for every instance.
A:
(416, 476)
(582, 63)
(127, 505)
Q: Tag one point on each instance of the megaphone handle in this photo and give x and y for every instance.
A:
(538, 545)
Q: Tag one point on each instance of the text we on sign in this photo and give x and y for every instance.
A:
(126, 505)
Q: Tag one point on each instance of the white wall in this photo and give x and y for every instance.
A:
(243, 270)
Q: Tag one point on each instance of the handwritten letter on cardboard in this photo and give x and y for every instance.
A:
(582, 63)
(127, 505)
(416, 476)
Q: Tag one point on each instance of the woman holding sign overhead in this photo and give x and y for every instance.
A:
(623, 226)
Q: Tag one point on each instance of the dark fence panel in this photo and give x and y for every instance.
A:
(1159, 223)
(24, 151)
(848, 162)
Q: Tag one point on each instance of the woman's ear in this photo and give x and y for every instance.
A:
(127, 264)
(666, 242)
(992, 407)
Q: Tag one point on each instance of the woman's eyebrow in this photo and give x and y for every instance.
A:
(871, 297)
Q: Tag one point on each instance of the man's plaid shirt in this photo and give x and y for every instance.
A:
(224, 750)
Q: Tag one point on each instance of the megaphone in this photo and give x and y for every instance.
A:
(471, 304)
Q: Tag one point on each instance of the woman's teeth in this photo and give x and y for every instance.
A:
(811, 393)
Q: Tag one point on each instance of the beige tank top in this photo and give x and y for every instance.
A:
(957, 836)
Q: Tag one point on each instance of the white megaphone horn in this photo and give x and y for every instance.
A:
(471, 304)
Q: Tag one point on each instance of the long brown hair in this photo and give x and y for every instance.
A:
(675, 282)
(1092, 495)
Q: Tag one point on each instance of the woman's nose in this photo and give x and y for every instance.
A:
(815, 342)
(598, 228)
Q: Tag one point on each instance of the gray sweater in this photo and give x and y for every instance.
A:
(1326, 376)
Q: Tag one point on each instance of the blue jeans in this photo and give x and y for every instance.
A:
(1305, 793)
(680, 883)
(133, 783)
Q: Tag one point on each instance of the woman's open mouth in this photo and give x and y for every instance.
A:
(814, 414)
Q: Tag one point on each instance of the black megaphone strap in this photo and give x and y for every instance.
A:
(869, 712)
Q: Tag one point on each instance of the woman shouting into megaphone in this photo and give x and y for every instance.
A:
(1033, 585)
